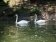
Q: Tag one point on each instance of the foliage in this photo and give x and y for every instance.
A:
(1, 10)
(5, 1)
(50, 2)
(12, 3)
(2, 3)
(34, 10)
(6, 11)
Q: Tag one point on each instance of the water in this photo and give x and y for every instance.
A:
(31, 33)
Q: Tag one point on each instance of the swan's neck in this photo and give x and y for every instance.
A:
(35, 18)
(16, 18)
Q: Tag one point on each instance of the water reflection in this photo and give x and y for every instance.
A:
(31, 33)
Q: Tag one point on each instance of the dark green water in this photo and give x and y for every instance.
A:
(32, 33)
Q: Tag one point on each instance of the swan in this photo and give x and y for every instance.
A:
(22, 22)
(39, 22)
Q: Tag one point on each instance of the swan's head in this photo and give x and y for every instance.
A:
(16, 15)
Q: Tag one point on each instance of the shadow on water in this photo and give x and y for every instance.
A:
(31, 33)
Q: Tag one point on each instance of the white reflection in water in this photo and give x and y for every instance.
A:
(24, 38)
(32, 36)
(35, 35)
(43, 41)
(4, 41)
(16, 40)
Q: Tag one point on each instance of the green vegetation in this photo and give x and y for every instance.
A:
(35, 10)
(2, 9)
(17, 8)
(2, 3)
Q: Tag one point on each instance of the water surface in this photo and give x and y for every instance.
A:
(31, 33)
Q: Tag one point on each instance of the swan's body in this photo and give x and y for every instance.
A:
(22, 22)
(39, 22)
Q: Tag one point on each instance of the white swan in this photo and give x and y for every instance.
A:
(39, 22)
(22, 22)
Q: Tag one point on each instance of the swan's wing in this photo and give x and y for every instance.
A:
(41, 22)
(23, 21)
